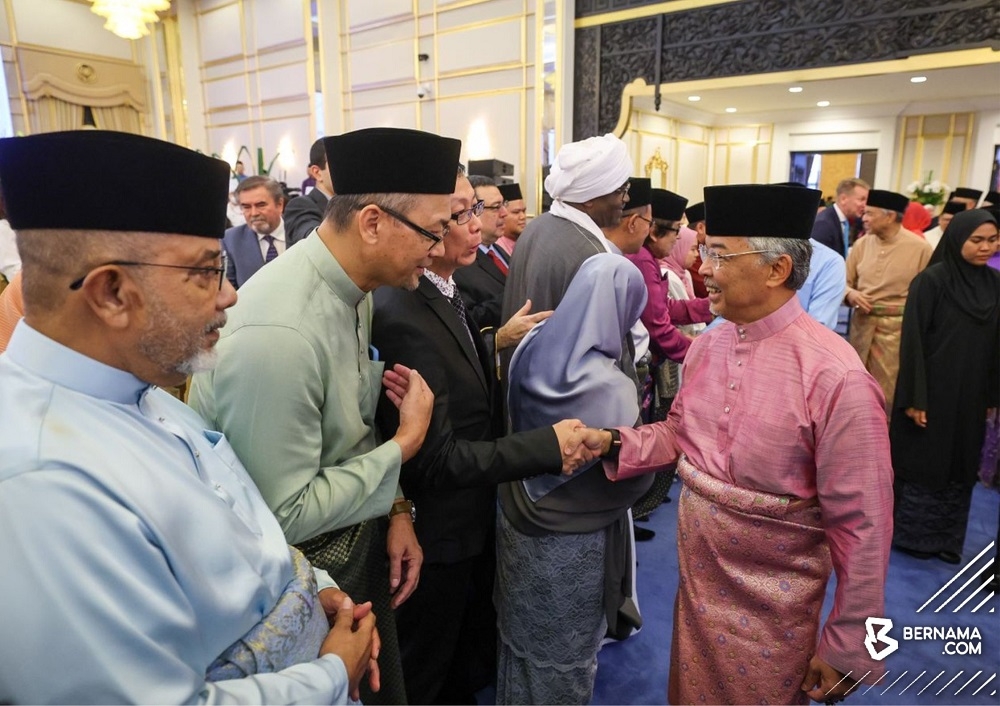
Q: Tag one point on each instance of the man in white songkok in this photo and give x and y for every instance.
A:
(563, 553)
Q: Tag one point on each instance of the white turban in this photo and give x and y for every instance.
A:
(590, 168)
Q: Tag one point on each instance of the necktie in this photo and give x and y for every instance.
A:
(456, 301)
(498, 261)
(847, 235)
(272, 251)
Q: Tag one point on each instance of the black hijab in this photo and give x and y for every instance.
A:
(974, 289)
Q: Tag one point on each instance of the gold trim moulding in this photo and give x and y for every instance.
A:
(377, 85)
(478, 24)
(285, 99)
(275, 48)
(200, 12)
(381, 22)
(259, 69)
(663, 8)
(247, 123)
(224, 60)
(476, 94)
(74, 54)
(484, 69)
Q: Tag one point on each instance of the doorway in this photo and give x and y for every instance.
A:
(824, 170)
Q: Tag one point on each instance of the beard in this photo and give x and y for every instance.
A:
(174, 346)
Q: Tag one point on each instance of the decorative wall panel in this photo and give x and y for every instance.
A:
(761, 36)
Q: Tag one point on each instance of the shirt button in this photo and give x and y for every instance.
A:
(739, 363)
(727, 409)
(732, 386)
(162, 419)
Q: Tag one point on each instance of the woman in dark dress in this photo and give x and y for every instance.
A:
(948, 379)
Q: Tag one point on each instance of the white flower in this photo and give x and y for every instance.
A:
(912, 188)
(935, 186)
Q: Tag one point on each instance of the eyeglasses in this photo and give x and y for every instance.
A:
(220, 271)
(622, 191)
(716, 259)
(643, 218)
(497, 207)
(463, 217)
(435, 239)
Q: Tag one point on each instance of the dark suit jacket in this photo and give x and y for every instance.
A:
(481, 286)
(302, 214)
(827, 230)
(452, 479)
(243, 247)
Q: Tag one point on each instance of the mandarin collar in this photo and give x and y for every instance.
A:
(771, 324)
(68, 368)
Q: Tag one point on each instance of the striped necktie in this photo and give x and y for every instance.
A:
(498, 261)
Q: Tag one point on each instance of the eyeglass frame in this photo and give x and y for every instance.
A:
(623, 190)
(476, 210)
(221, 270)
(718, 260)
(433, 237)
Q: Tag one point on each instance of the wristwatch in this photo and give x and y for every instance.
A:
(401, 506)
(616, 444)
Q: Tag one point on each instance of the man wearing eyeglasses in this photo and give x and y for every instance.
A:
(297, 381)
(129, 534)
(783, 450)
(481, 283)
(447, 630)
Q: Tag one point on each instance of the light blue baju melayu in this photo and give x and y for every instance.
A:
(135, 549)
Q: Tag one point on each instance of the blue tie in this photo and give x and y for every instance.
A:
(272, 251)
(847, 235)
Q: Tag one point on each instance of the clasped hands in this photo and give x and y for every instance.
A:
(578, 443)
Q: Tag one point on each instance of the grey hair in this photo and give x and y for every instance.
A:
(273, 188)
(799, 250)
(341, 206)
(51, 259)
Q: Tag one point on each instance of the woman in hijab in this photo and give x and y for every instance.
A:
(674, 268)
(563, 554)
(948, 380)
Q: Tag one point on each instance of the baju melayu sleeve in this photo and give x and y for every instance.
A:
(295, 391)
(662, 314)
(135, 549)
(783, 405)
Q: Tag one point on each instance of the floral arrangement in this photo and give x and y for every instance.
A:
(930, 192)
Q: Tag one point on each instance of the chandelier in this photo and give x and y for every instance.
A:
(128, 18)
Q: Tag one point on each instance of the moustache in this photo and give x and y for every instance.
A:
(215, 325)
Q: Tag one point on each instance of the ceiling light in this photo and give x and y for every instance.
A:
(730, 110)
(128, 18)
(694, 99)
(795, 89)
(823, 104)
(918, 79)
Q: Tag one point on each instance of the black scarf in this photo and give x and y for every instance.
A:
(974, 289)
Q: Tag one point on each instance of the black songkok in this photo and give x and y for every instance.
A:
(963, 193)
(889, 200)
(954, 207)
(388, 160)
(138, 184)
(639, 193)
(695, 213)
(760, 211)
(667, 205)
(511, 192)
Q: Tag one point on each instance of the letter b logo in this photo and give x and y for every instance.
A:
(882, 635)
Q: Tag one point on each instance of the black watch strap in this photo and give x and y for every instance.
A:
(616, 444)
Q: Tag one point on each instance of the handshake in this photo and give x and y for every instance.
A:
(579, 444)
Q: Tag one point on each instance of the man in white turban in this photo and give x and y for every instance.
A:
(564, 560)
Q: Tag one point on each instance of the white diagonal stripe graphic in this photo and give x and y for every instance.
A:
(876, 683)
(856, 684)
(914, 681)
(982, 587)
(930, 682)
(940, 590)
(960, 673)
(984, 602)
(964, 586)
(897, 679)
(838, 683)
(969, 682)
(984, 684)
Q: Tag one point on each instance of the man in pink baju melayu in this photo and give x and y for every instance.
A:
(784, 454)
